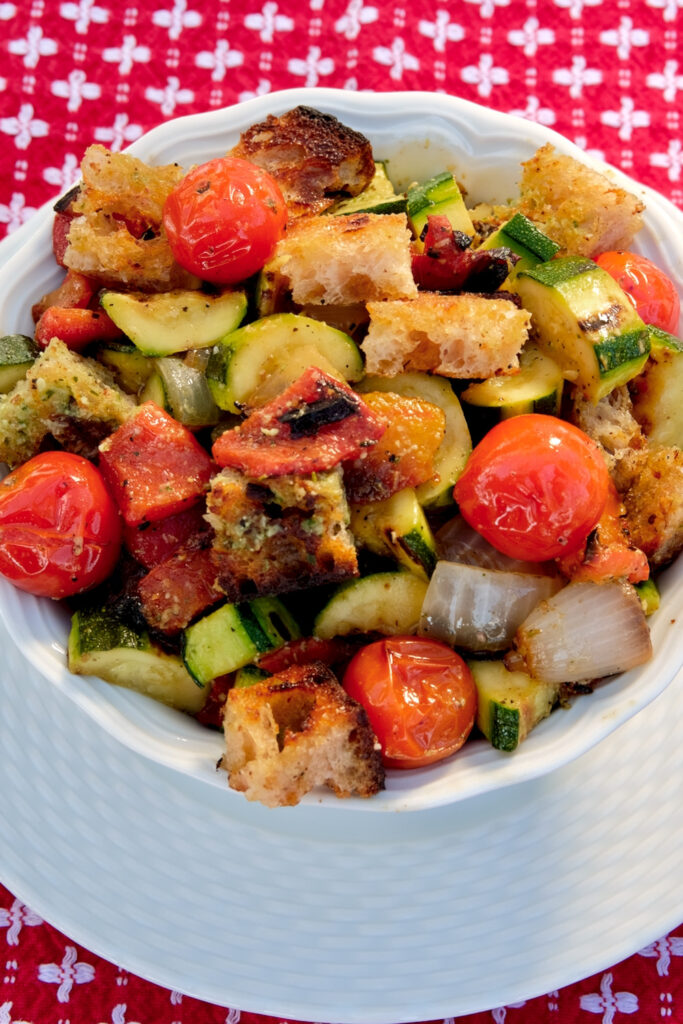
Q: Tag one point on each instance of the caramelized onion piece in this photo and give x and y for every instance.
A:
(585, 632)
(480, 609)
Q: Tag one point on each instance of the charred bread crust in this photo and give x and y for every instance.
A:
(347, 260)
(295, 731)
(279, 534)
(116, 236)
(313, 157)
(466, 336)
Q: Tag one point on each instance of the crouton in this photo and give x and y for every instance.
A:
(346, 260)
(580, 209)
(279, 534)
(650, 482)
(312, 156)
(68, 396)
(117, 236)
(295, 731)
(610, 422)
(465, 336)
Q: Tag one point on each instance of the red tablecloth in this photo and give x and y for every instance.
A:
(606, 73)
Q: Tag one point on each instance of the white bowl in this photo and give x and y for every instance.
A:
(420, 134)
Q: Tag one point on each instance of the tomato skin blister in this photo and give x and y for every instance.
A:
(224, 219)
(60, 531)
(534, 487)
(419, 696)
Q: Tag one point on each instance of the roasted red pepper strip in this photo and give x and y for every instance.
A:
(179, 589)
(152, 543)
(77, 328)
(307, 649)
(154, 466)
(447, 266)
(316, 423)
(75, 292)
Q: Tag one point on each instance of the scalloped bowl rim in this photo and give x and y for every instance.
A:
(419, 133)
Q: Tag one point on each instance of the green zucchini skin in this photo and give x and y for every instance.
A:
(17, 354)
(233, 635)
(586, 322)
(439, 196)
(526, 240)
(102, 645)
(509, 704)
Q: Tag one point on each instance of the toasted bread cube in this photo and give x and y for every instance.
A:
(651, 485)
(297, 730)
(280, 533)
(345, 260)
(610, 422)
(463, 336)
(120, 202)
(580, 209)
(312, 156)
(64, 394)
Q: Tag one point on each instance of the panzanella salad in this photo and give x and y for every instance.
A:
(350, 474)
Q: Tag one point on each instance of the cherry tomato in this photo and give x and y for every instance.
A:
(534, 487)
(224, 219)
(419, 696)
(652, 293)
(60, 531)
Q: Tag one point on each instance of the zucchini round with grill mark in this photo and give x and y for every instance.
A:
(163, 323)
(585, 321)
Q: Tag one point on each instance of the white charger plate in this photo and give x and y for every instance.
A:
(420, 133)
(308, 914)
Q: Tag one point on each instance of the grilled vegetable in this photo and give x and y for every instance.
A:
(586, 322)
(102, 645)
(162, 323)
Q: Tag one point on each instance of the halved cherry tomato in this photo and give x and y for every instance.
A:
(653, 293)
(223, 220)
(534, 487)
(60, 531)
(419, 696)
